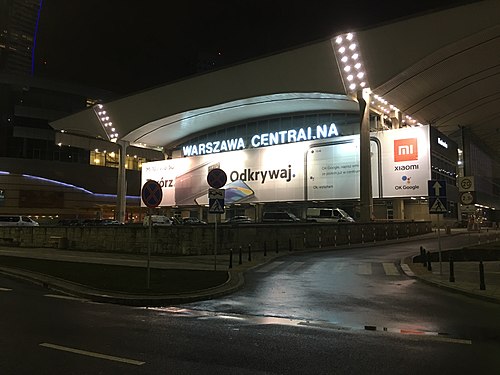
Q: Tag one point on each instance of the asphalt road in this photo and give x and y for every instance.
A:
(341, 312)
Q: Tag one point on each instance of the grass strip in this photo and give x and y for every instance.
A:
(122, 279)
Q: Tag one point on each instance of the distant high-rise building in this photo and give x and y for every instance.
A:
(18, 29)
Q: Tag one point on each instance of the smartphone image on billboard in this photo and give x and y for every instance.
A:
(332, 170)
(235, 192)
(192, 184)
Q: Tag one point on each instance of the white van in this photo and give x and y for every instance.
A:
(157, 220)
(328, 215)
(17, 221)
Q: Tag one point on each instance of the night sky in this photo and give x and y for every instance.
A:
(126, 46)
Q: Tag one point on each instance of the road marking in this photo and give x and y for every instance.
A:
(390, 269)
(293, 267)
(270, 266)
(338, 267)
(406, 268)
(60, 296)
(365, 269)
(92, 354)
(5, 290)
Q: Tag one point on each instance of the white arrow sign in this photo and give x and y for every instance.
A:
(437, 188)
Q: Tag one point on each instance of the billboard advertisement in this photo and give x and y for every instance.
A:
(319, 169)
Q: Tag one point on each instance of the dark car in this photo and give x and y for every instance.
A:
(192, 221)
(282, 216)
(238, 220)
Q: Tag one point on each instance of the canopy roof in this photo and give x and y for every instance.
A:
(440, 68)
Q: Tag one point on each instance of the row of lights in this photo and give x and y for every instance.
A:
(354, 76)
(385, 107)
(349, 56)
(106, 123)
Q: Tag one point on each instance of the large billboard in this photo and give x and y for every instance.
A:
(319, 169)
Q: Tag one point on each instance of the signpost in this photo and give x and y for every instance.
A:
(216, 178)
(151, 195)
(437, 205)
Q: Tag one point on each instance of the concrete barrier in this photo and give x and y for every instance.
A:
(199, 240)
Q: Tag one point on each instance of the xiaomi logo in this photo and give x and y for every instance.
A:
(405, 149)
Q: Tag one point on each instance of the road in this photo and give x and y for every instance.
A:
(339, 312)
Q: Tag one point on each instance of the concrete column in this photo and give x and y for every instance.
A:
(366, 198)
(398, 203)
(121, 186)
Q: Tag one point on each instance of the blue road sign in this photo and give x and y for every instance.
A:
(437, 196)
(216, 201)
(151, 194)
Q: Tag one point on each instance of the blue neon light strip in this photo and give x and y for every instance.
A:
(34, 39)
(73, 186)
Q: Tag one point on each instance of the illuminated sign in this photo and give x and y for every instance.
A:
(325, 169)
(405, 149)
(442, 142)
(263, 140)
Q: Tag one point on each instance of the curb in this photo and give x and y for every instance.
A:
(444, 286)
(234, 282)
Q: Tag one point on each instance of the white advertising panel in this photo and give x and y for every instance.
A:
(406, 162)
(310, 170)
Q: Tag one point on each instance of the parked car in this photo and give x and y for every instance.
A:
(328, 215)
(17, 220)
(110, 222)
(238, 220)
(281, 216)
(192, 221)
(157, 221)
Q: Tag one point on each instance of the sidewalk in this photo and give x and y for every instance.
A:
(467, 277)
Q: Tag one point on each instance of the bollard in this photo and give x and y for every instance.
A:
(240, 261)
(231, 258)
(429, 264)
(452, 270)
(277, 250)
(335, 237)
(265, 248)
(374, 235)
(319, 238)
(362, 235)
(482, 285)
(304, 240)
(289, 244)
(249, 252)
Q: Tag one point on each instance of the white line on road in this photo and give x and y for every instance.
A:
(293, 267)
(339, 267)
(406, 268)
(390, 269)
(65, 297)
(92, 354)
(270, 266)
(5, 290)
(365, 269)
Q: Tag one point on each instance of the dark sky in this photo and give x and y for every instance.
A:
(126, 46)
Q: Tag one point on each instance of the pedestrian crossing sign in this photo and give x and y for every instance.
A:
(216, 201)
(437, 205)
(437, 196)
(216, 206)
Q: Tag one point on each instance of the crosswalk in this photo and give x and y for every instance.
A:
(360, 268)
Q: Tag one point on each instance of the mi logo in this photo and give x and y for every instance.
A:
(405, 149)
